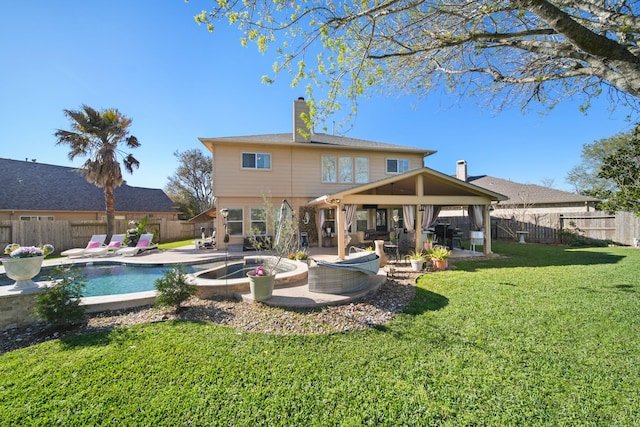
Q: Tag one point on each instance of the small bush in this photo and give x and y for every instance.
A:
(575, 239)
(60, 304)
(174, 288)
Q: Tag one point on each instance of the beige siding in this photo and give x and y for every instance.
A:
(295, 175)
(296, 171)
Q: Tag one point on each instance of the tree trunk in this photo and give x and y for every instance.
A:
(109, 201)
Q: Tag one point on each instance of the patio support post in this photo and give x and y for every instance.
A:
(418, 222)
(418, 228)
(340, 219)
(487, 230)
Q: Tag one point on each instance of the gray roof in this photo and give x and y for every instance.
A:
(37, 186)
(318, 139)
(531, 193)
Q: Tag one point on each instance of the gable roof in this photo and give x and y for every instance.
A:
(438, 188)
(529, 193)
(43, 187)
(317, 140)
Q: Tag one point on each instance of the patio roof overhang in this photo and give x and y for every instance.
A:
(418, 187)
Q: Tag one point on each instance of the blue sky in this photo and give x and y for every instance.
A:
(179, 82)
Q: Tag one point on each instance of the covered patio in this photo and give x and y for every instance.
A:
(419, 195)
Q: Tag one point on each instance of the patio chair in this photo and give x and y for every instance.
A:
(144, 244)
(96, 241)
(111, 248)
(207, 242)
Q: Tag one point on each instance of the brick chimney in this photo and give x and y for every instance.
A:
(300, 107)
(461, 170)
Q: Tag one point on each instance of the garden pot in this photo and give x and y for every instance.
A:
(416, 264)
(22, 270)
(379, 249)
(439, 264)
(261, 286)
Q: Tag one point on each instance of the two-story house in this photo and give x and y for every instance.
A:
(341, 188)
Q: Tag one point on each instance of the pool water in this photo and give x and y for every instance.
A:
(122, 279)
(111, 279)
(236, 270)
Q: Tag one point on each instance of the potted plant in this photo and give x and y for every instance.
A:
(285, 242)
(417, 260)
(439, 256)
(24, 264)
(428, 243)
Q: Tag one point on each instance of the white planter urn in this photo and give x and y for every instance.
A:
(22, 270)
(416, 264)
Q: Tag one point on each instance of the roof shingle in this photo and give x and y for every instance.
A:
(38, 186)
(535, 194)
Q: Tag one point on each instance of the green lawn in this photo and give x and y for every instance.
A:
(547, 335)
(177, 244)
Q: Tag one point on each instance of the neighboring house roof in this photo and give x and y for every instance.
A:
(317, 140)
(527, 193)
(38, 186)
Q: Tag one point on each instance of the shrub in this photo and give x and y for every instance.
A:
(572, 236)
(174, 288)
(60, 304)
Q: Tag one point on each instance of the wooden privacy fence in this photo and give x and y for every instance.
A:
(620, 228)
(75, 234)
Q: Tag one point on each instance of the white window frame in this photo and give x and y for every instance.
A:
(233, 221)
(36, 218)
(361, 176)
(256, 162)
(329, 169)
(399, 166)
(345, 169)
(258, 216)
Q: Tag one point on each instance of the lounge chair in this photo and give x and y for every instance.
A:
(144, 244)
(112, 247)
(96, 241)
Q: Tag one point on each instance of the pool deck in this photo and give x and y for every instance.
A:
(294, 296)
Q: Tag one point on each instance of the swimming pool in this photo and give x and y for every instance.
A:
(108, 278)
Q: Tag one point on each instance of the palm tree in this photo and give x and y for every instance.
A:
(97, 135)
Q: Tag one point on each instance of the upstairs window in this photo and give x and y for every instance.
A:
(362, 170)
(345, 169)
(396, 166)
(256, 161)
(329, 169)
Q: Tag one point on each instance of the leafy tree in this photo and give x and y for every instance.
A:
(517, 50)
(584, 177)
(623, 168)
(98, 136)
(191, 187)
